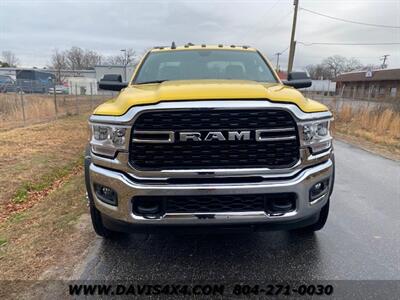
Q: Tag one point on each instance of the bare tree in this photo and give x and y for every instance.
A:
(121, 59)
(318, 71)
(78, 59)
(114, 60)
(58, 63)
(10, 58)
(335, 64)
(75, 58)
(91, 59)
(332, 66)
(353, 64)
(338, 64)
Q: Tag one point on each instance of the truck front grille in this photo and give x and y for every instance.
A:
(275, 153)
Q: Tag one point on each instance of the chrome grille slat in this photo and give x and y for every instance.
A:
(279, 147)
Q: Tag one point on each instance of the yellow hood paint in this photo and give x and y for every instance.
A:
(205, 90)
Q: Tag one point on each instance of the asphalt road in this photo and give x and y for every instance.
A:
(360, 241)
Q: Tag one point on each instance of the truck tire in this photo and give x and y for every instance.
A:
(95, 214)
(98, 226)
(323, 217)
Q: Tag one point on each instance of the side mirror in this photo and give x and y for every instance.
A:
(112, 82)
(298, 80)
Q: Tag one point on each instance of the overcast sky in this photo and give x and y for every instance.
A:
(32, 29)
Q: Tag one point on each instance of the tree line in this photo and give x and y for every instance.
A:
(332, 66)
(76, 58)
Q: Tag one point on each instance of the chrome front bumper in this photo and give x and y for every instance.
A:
(126, 189)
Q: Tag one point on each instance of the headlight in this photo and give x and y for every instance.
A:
(108, 139)
(316, 135)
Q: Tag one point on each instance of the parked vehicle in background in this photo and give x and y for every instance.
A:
(8, 84)
(60, 89)
(33, 81)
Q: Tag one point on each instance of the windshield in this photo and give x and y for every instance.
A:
(204, 64)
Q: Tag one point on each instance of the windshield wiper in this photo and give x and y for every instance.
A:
(153, 81)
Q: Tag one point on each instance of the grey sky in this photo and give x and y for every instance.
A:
(32, 29)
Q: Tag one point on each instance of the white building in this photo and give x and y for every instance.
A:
(74, 73)
(102, 70)
(323, 86)
(81, 85)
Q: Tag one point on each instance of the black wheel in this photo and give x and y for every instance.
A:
(95, 214)
(323, 217)
(98, 225)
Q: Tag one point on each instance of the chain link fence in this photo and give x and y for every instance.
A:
(22, 108)
(337, 102)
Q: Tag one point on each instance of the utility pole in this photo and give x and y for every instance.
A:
(277, 61)
(384, 57)
(292, 41)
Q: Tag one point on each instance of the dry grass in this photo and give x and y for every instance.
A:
(49, 234)
(42, 200)
(40, 108)
(379, 125)
(34, 156)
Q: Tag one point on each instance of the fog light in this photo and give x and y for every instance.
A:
(147, 207)
(319, 189)
(280, 206)
(106, 194)
(318, 186)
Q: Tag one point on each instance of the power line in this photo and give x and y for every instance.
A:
(284, 17)
(269, 10)
(349, 21)
(348, 44)
(277, 57)
(273, 5)
(265, 14)
(283, 51)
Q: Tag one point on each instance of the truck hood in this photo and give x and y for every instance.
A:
(197, 90)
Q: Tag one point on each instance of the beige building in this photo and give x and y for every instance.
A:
(370, 84)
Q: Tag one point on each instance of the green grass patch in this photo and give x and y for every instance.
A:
(20, 195)
(18, 217)
(3, 241)
(45, 181)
